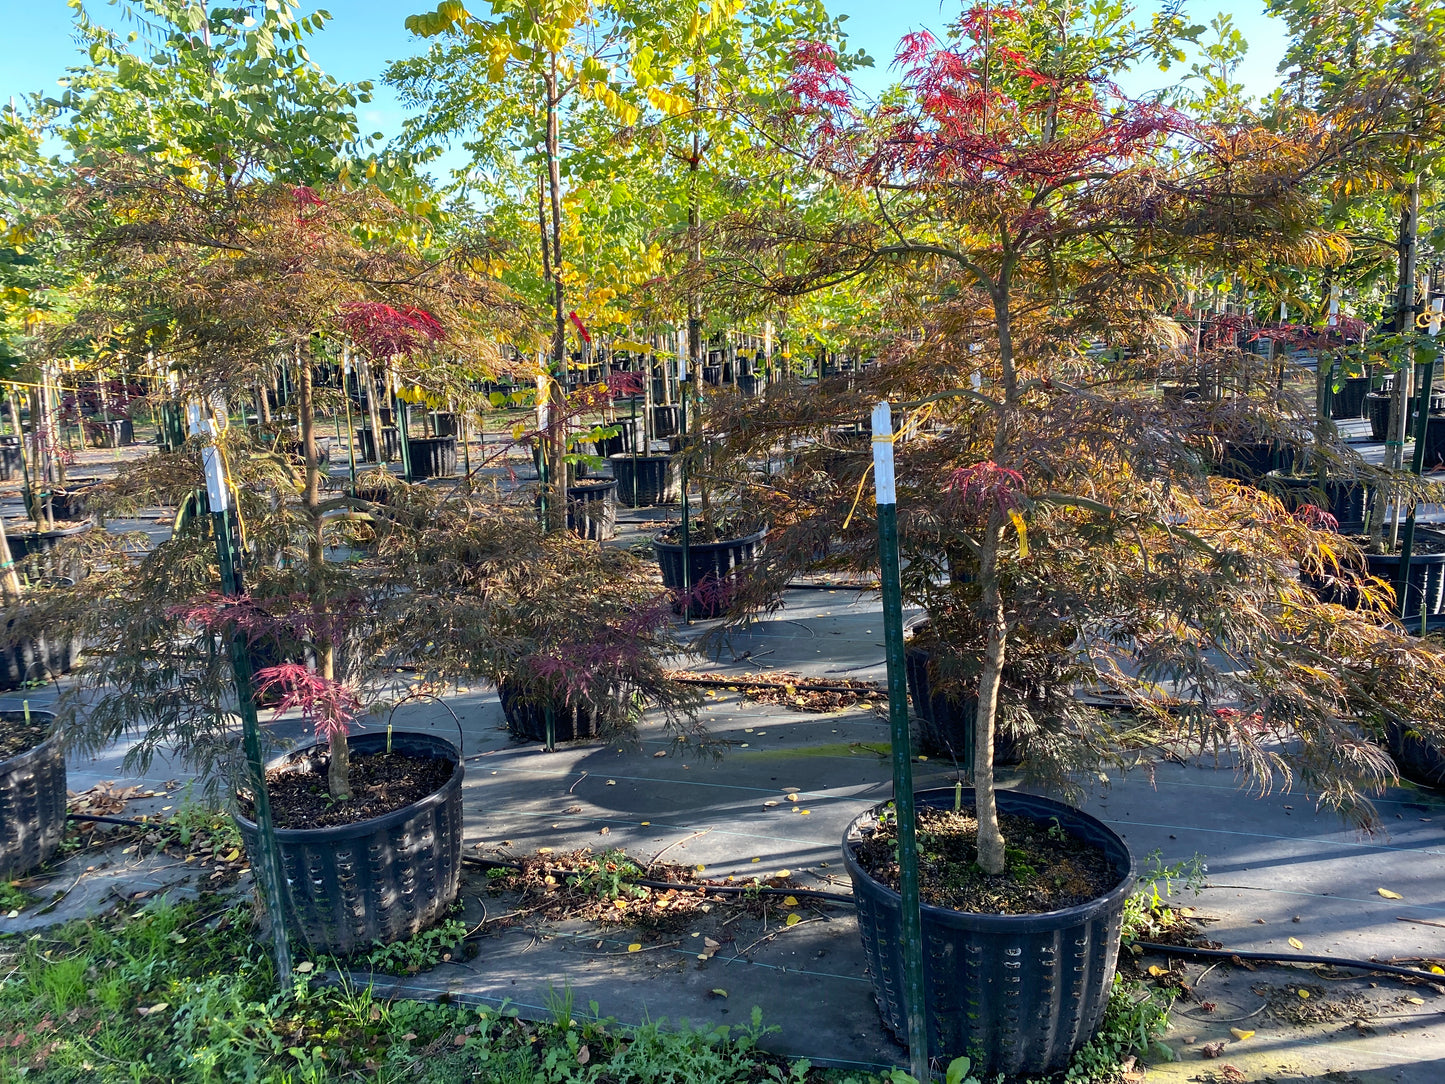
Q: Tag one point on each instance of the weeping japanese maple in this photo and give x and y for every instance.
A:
(1010, 205)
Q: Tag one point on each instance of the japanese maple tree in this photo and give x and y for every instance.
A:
(1012, 204)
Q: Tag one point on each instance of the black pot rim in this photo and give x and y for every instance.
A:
(676, 547)
(62, 532)
(25, 756)
(640, 458)
(592, 484)
(1036, 921)
(370, 824)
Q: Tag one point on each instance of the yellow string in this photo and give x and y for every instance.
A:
(858, 497)
(908, 428)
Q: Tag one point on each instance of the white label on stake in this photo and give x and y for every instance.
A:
(883, 453)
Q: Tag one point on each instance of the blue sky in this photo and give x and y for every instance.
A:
(365, 34)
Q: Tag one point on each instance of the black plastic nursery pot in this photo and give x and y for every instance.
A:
(32, 799)
(666, 420)
(645, 479)
(1434, 441)
(37, 553)
(946, 726)
(592, 509)
(67, 502)
(377, 880)
(1424, 588)
(432, 457)
(1377, 407)
(627, 437)
(115, 433)
(1418, 759)
(9, 458)
(1248, 461)
(712, 570)
(390, 443)
(1015, 993)
(26, 659)
(1349, 401)
(528, 721)
(1344, 498)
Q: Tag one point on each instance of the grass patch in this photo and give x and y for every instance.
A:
(183, 993)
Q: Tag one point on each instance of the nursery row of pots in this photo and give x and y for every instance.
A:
(1027, 989)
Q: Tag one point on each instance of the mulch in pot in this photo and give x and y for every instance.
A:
(21, 737)
(381, 783)
(1043, 873)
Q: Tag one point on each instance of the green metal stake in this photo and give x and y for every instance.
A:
(632, 440)
(1424, 379)
(403, 435)
(683, 387)
(911, 921)
(269, 869)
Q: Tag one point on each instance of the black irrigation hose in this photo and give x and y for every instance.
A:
(1272, 957)
(113, 820)
(722, 890)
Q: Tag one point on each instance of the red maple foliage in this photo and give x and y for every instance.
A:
(384, 332)
(986, 486)
(328, 705)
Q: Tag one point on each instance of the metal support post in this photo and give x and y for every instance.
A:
(911, 920)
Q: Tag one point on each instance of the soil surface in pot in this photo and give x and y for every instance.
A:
(1044, 873)
(380, 782)
(1424, 542)
(21, 737)
(702, 533)
(27, 526)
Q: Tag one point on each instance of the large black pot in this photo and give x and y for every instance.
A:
(1248, 461)
(432, 457)
(1349, 401)
(377, 880)
(9, 457)
(390, 443)
(1016, 993)
(25, 659)
(1424, 587)
(1377, 406)
(1434, 441)
(32, 800)
(592, 509)
(527, 721)
(1344, 498)
(36, 555)
(712, 570)
(115, 433)
(645, 479)
(628, 436)
(1417, 758)
(444, 424)
(946, 726)
(666, 420)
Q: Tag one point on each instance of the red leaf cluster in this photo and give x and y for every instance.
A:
(986, 485)
(327, 704)
(384, 332)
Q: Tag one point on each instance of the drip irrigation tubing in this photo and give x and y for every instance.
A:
(1273, 957)
(114, 820)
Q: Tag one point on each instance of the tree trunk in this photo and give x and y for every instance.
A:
(9, 578)
(990, 836)
(557, 389)
(338, 780)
